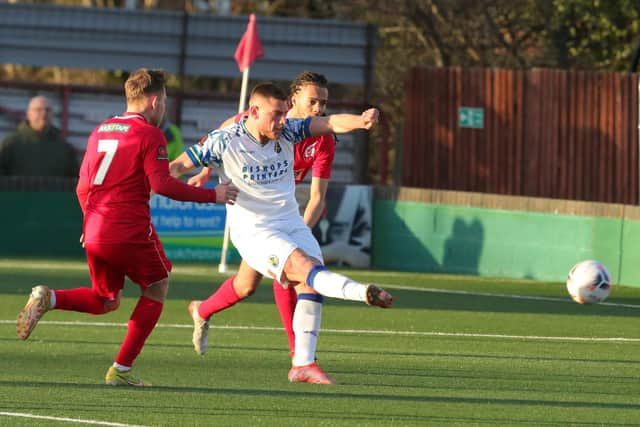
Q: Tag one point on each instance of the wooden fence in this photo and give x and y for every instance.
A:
(542, 133)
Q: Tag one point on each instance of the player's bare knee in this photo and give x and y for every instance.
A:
(157, 291)
(246, 281)
(298, 266)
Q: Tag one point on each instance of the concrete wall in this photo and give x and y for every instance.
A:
(540, 243)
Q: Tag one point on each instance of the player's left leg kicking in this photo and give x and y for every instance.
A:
(298, 269)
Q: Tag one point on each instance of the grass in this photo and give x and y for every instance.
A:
(454, 350)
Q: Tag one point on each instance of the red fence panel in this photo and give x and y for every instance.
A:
(544, 133)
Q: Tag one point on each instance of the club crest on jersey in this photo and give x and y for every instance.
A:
(273, 261)
(310, 151)
(162, 153)
(277, 147)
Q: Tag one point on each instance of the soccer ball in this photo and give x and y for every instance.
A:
(589, 282)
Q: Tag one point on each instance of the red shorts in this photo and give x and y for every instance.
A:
(143, 262)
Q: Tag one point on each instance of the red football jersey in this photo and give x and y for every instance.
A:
(126, 158)
(121, 153)
(315, 153)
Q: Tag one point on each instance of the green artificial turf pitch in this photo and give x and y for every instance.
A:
(454, 350)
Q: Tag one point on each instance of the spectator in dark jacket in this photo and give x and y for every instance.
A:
(36, 147)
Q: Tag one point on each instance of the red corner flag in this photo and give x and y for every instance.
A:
(250, 48)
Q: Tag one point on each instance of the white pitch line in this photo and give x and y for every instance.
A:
(352, 331)
(69, 420)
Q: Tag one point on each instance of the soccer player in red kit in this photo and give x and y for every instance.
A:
(308, 98)
(126, 159)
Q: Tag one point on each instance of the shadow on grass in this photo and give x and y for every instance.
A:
(297, 391)
(396, 355)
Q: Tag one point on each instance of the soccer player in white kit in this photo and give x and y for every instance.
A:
(265, 224)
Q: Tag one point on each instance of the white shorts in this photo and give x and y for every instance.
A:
(266, 247)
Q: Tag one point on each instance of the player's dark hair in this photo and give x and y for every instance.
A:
(307, 78)
(143, 82)
(269, 90)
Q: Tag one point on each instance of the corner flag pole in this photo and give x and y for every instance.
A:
(222, 267)
(249, 49)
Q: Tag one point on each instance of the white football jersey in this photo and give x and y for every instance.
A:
(262, 172)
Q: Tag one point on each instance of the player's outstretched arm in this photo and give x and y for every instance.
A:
(316, 203)
(163, 183)
(181, 165)
(225, 192)
(343, 123)
(175, 189)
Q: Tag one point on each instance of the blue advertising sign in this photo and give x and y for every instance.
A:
(190, 231)
(183, 217)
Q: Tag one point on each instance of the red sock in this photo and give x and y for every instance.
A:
(286, 300)
(221, 299)
(85, 300)
(142, 321)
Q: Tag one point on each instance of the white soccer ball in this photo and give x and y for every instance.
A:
(589, 282)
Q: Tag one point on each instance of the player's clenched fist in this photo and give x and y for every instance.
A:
(226, 192)
(370, 117)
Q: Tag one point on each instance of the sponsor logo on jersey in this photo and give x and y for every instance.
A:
(114, 127)
(162, 153)
(264, 174)
(273, 261)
